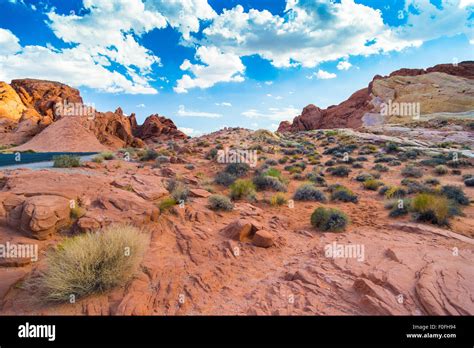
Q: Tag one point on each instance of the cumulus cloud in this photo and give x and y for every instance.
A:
(9, 43)
(71, 66)
(343, 65)
(191, 113)
(216, 67)
(274, 114)
(311, 32)
(321, 75)
(183, 15)
(224, 104)
(189, 131)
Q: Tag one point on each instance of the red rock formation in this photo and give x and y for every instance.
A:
(349, 113)
(157, 128)
(42, 103)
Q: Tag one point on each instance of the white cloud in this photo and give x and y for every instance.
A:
(183, 14)
(190, 113)
(224, 104)
(217, 67)
(141, 106)
(9, 43)
(275, 114)
(344, 65)
(71, 66)
(189, 131)
(322, 75)
(269, 83)
(312, 32)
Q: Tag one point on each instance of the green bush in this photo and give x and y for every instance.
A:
(410, 171)
(380, 168)
(278, 199)
(166, 204)
(343, 194)
(441, 170)
(242, 188)
(339, 171)
(431, 208)
(469, 182)
(364, 177)
(316, 179)
(224, 179)
(220, 202)
(455, 193)
(395, 192)
(266, 182)
(308, 192)
(237, 169)
(372, 184)
(92, 263)
(148, 155)
(66, 161)
(332, 220)
(108, 156)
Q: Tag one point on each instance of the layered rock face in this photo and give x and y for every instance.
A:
(444, 88)
(51, 116)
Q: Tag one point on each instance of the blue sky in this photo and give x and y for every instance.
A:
(213, 63)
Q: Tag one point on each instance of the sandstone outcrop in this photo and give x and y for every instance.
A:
(28, 107)
(444, 88)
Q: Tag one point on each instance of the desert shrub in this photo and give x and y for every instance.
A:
(332, 220)
(220, 202)
(237, 169)
(368, 149)
(372, 184)
(394, 163)
(343, 194)
(278, 199)
(385, 159)
(455, 193)
(380, 168)
(362, 159)
(316, 179)
(224, 179)
(431, 208)
(242, 188)
(108, 156)
(266, 182)
(364, 177)
(395, 192)
(212, 154)
(162, 159)
(398, 207)
(330, 163)
(308, 192)
(66, 161)
(441, 170)
(283, 159)
(271, 162)
(431, 181)
(294, 169)
(340, 171)
(92, 263)
(461, 162)
(98, 159)
(391, 147)
(178, 190)
(148, 155)
(410, 171)
(273, 172)
(414, 186)
(298, 176)
(166, 204)
(357, 165)
(469, 182)
(189, 166)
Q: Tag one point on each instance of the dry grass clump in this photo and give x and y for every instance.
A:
(92, 263)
